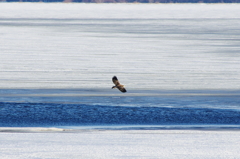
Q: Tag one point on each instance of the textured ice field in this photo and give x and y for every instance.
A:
(148, 46)
(121, 144)
(179, 62)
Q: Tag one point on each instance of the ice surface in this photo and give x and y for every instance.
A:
(121, 11)
(122, 144)
(63, 54)
(148, 46)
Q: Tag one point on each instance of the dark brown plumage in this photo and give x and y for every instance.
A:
(118, 85)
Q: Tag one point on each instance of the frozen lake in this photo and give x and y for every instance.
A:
(170, 144)
(180, 64)
(148, 46)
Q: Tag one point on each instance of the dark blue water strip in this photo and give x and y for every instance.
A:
(52, 114)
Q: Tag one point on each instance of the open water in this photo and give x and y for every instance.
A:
(179, 63)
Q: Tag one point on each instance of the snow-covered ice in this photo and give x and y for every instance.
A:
(182, 57)
(148, 46)
(110, 144)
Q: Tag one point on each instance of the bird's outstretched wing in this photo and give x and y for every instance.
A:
(115, 81)
(122, 89)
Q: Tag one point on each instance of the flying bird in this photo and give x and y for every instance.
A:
(118, 85)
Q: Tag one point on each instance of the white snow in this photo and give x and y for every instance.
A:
(110, 144)
(148, 46)
(118, 11)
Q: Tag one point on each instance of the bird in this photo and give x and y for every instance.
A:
(118, 85)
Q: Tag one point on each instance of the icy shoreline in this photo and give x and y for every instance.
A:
(122, 144)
